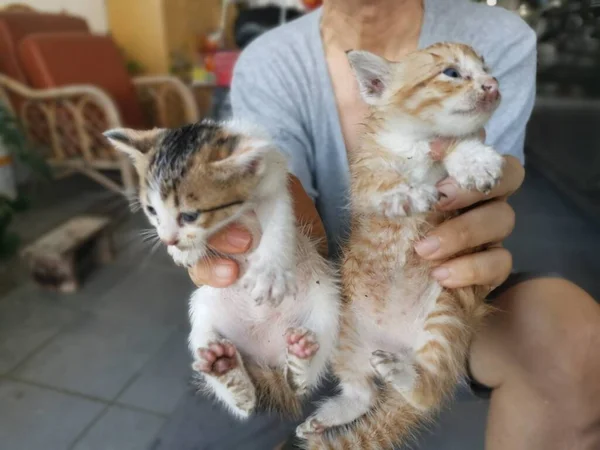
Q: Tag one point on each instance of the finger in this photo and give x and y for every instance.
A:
(482, 134)
(218, 272)
(489, 268)
(489, 222)
(455, 198)
(233, 239)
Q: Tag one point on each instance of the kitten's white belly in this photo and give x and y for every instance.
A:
(399, 324)
(258, 331)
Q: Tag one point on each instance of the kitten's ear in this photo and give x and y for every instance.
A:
(136, 144)
(252, 157)
(373, 73)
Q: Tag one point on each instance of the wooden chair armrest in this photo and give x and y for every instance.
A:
(170, 101)
(66, 122)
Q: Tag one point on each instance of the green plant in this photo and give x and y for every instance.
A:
(13, 138)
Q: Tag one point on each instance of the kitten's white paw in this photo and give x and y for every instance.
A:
(268, 282)
(395, 203)
(395, 368)
(475, 167)
(182, 257)
(422, 199)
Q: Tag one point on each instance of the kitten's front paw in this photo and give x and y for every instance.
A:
(480, 168)
(182, 258)
(395, 203)
(217, 358)
(422, 199)
(268, 283)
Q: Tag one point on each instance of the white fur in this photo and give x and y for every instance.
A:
(286, 284)
(475, 165)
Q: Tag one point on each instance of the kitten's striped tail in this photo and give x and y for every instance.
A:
(390, 423)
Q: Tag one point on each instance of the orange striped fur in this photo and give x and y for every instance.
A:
(404, 339)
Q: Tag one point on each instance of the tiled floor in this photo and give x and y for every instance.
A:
(101, 369)
(107, 368)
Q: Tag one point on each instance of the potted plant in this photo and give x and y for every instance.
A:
(13, 146)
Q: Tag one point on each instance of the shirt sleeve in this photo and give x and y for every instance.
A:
(262, 92)
(516, 74)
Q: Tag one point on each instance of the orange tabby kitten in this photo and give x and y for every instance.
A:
(404, 338)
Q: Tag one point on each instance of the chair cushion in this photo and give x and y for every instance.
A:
(61, 59)
(16, 26)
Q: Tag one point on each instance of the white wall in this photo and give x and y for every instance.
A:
(93, 11)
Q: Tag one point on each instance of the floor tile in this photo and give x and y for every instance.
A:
(33, 418)
(95, 356)
(164, 380)
(93, 287)
(155, 295)
(27, 321)
(121, 429)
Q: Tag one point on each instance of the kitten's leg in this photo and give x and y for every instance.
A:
(430, 374)
(302, 345)
(217, 359)
(224, 371)
(271, 267)
(358, 390)
(356, 399)
(323, 304)
(474, 165)
(398, 369)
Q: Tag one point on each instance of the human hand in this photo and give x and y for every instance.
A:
(235, 239)
(489, 221)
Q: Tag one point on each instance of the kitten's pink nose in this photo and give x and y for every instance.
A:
(490, 87)
(171, 241)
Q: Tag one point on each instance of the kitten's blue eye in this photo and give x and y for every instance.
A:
(189, 217)
(451, 72)
(151, 210)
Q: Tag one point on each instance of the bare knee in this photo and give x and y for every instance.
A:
(545, 336)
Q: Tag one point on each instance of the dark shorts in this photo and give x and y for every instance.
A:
(514, 278)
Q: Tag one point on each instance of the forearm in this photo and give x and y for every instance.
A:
(307, 215)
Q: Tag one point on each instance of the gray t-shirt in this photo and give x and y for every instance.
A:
(281, 82)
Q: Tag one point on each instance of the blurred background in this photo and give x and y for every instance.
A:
(93, 321)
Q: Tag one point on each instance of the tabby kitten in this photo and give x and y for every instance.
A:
(404, 339)
(264, 342)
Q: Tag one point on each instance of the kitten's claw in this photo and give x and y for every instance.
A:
(218, 358)
(268, 283)
(308, 427)
(301, 342)
(394, 368)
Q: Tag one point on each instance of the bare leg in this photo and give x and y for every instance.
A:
(540, 354)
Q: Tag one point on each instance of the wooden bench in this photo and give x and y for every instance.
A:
(62, 257)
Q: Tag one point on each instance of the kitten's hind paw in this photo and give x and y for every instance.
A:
(218, 358)
(309, 427)
(395, 368)
(301, 342)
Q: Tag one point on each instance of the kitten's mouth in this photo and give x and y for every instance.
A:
(484, 105)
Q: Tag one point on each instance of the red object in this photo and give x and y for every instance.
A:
(312, 4)
(63, 59)
(224, 63)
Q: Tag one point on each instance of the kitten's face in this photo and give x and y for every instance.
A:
(444, 89)
(193, 180)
